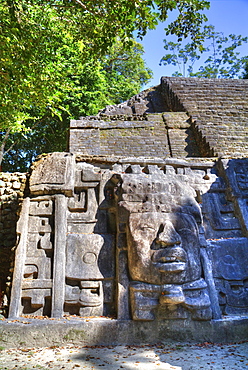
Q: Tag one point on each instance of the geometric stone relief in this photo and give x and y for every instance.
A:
(38, 255)
(131, 241)
(230, 270)
(63, 266)
(86, 268)
(83, 205)
(78, 202)
(37, 275)
(236, 176)
(219, 217)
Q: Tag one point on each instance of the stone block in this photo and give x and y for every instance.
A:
(42, 206)
(88, 257)
(90, 175)
(54, 172)
(16, 185)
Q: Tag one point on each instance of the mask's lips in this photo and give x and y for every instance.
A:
(171, 259)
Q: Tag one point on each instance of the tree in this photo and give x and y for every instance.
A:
(223, 59)
(245, 73)
(118, 76)
(36, 37)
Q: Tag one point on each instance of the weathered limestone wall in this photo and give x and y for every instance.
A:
(119, 136)
(83, 223)
(151, 124)
(152, 135)
(12, 187)
(88, 216)
(219, 108)
(83, 226)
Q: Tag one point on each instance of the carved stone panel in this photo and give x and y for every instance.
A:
(34, 263)
(82, 256)
(219, 216)
(89, 266)
(128, 241)
(230, 270)
(236, 174)
(163, 243)
(236, 171)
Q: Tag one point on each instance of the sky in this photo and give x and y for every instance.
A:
(228, 16)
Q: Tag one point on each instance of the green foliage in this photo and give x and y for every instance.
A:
(57, 60)
(189, 20)
(125, 71)
(223, 59)
(245, 74)
(90, 87)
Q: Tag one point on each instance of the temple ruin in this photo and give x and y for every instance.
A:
(141, 228)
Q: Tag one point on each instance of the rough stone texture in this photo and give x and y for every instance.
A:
(121, 137)
(182, 117)
(219, 110)
(103, 331)
(61, 266)
(59, 177)
(163, 246)
(160, 235)
(230, 271)
(131, 239)
(138, 127)
(12, 188)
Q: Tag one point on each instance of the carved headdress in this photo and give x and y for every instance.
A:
(156, 191)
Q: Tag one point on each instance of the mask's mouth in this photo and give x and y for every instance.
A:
(170, 259)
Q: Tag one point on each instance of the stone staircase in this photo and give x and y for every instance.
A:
(182, 117)
(219, 109)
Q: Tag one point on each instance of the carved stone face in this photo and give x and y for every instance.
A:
(164, 248)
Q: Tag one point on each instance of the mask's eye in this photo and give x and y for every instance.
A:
(185, 222)
(147, 228)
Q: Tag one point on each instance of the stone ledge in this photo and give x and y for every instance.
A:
(143, 161)
(105, 331)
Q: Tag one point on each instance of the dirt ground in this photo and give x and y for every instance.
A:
(146, 357)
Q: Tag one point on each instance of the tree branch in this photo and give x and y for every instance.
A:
(85, 7)
(2, 152)
(3, 145)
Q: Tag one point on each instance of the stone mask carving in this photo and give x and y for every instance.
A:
(163, 243)
(162, 232)
(163, 248)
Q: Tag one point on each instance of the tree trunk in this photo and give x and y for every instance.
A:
(2, 147)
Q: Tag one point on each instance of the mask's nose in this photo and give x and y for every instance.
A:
(168, 236)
